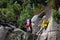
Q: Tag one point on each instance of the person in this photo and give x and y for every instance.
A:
(28, 25)
(43, 26)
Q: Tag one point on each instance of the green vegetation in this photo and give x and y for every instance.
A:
(19, 10)
(56, 16)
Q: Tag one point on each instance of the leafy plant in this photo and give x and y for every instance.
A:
(56, 16)
(19, 10)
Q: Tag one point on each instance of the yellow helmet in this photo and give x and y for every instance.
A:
(44, 23)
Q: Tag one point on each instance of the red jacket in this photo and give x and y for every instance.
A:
(28, 25)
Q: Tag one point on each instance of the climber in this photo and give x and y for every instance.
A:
(43, 26)
(28, 26)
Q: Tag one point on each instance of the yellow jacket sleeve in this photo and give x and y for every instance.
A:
(44, 24)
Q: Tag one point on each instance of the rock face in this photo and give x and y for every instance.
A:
(3, 33)
(52, 25)
(52, 31)
(35, 20)
(21, 35)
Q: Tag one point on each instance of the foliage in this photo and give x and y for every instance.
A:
(3, 3)
(8, 15)
(19, 10)
(39, 2)
(52, 3)
(25, 13)
(11, 12)
(55, 4)
(56, 16)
